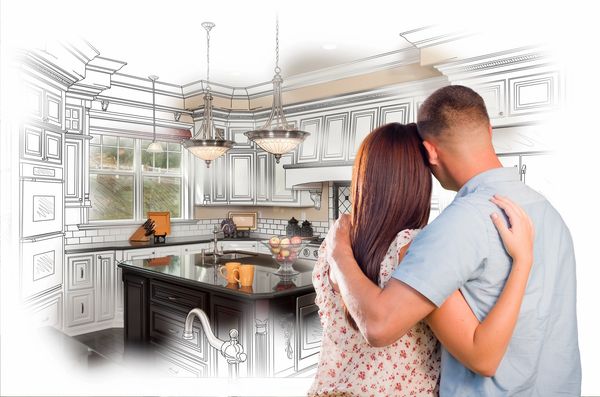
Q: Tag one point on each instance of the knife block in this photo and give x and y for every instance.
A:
(139, 235)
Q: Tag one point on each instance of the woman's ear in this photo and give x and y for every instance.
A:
(431, 153)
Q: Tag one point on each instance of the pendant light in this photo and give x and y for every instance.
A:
(276, 136)
(210, 144)
(154, 147)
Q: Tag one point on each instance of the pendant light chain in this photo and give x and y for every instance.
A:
(277, 68)
(208, 58)
(153, 111)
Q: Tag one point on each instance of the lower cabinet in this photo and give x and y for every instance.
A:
(46, 311)
(91, 292)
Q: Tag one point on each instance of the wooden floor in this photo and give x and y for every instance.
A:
(108, 343)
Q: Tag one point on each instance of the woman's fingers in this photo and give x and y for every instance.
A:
(500, 226)
(510, 211)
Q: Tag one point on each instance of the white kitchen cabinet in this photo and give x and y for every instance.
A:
(242, 177)
(44, 104)
(74, 171)
(219, 180)
(279, 193)
(397, 113)
(74, 119)
(310, 148)
(510, 160)
(194, 248)
(533, 93)
(40, 144)
(236, 134)
(46, 311)
(154, 252)
(93, 292)
(362, 123)
(263, 176)
(335, 137)
(105, 286)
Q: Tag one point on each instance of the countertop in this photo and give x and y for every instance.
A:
(189, 270)
(128, 245)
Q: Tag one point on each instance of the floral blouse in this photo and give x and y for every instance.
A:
(349, 366)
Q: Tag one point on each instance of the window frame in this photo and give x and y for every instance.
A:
(138, 180)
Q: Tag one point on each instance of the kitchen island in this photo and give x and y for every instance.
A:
(276, 318)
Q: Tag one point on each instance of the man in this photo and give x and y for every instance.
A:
(462, 250)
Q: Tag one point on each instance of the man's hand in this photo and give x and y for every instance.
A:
(338, 244)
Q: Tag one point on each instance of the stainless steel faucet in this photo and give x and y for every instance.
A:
(216, 232)
(232, 350)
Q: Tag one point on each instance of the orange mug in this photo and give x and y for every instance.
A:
(230, 268)
(246, 273)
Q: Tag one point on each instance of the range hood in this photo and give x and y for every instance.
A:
(311, 176)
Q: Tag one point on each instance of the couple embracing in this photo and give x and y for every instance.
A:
(481, 302)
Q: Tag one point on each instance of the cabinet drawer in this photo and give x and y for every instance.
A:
(166, 329)
(48, 312)
(80, 270)
(174, 365)
(180, 298)
(80, 308)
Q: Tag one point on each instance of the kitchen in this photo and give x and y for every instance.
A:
(84, 174)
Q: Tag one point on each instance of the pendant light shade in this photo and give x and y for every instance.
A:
(276, 136)
(210, 144)
(154, 147)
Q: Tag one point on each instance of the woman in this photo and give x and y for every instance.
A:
(391, 194)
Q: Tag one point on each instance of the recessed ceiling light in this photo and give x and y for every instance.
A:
(329, 46)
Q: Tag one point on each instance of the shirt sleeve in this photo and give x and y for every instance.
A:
(446, 253)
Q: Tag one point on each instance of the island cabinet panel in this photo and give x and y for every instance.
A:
(177, 297)
(136, 308)
(173, 364)
(227, 314)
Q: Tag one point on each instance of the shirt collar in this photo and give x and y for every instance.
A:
(492, 176)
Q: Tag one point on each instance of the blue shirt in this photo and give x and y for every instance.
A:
(461, 249)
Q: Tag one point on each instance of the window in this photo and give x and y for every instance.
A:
(126, 181)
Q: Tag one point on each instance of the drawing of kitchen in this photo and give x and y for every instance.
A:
(168, 197)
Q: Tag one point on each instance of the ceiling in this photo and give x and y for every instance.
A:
(165, 37)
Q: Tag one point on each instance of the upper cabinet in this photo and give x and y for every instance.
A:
(41, 144)
(361, 123)
(309, 149)
(242, 177)
(44, 104)
(335, 137)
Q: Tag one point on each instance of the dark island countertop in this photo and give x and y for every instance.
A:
(129, 245)
(189, 270)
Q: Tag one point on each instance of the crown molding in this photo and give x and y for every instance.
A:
(497, 63)
(432, 35)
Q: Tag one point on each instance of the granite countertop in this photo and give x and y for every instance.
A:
(128, 245)
(189, 270)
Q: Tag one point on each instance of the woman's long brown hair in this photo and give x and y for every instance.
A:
(391, 191)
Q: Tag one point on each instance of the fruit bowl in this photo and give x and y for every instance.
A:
(284, 251)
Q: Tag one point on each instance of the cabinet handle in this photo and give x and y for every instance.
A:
(172, 298)
(81, 307)
(81, 272)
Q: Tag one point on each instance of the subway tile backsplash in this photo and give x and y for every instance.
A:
(203, 227)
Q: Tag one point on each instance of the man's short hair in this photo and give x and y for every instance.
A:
(448, 107)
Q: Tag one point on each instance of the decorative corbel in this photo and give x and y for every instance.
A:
(315, 196)
(104, 104)
(176, 115)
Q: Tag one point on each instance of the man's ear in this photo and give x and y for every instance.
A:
(431, 153)
(490, 130)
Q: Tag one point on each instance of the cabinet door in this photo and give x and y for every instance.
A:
(241, 177)
(399, 113)
(534, 93)
(362, 123)
(309, 149)
(105, 286)
(73, 170)
(47, 312)
(539, 171)
(52, 147)
(335, 137)
(53, 108)
(219, 180)
(73, 119)
(494, 96)
(80, 272)
(227, 314)
(34, 101)
(80, 307)
(263, 177)
(194, 248)
(279, 193)
(142, 253)
(32, 143)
